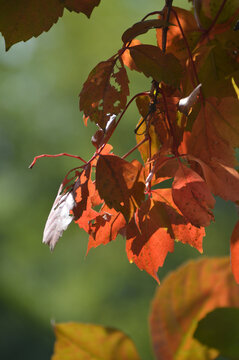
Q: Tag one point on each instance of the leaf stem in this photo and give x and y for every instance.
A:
(134, 148)
(53, 156)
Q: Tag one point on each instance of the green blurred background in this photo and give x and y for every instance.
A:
(39, 85)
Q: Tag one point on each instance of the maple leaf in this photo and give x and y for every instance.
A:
(180, 228)
(192, 196)
(105, 227)
(59, 218)
(235, 252)
(105, 91)
(211, 141)
(119, 184)
(19, 21)
(185, 297)
(85, 196)
(154, 63)
(148, 240)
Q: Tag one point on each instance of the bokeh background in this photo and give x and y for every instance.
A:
(39, 85)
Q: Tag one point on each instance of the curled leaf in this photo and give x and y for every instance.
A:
(142, 27)
(59, 218)
(187, 103)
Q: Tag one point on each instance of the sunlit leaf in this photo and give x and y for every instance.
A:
(105, 91)
(141, 28)
(235, 252)
(192, 196)
(118, 184)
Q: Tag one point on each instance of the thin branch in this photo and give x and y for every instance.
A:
(134, 148)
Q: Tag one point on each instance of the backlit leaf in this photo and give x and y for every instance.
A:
(75, 341)
(105, 91)
(220, 330)
(184, 298)
(141, 27)
(118, 184)
(154, 63)
(105, 227)
(175, 41)
(235, 252)
(192, 196)
(127, 58)
(148, 240)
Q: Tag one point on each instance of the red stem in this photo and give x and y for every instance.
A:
(134, 148)
(53, 156)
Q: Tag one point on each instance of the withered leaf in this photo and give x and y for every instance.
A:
(105, 91)
(59, 218)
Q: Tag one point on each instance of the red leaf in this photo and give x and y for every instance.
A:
(192, 196)
(235, 252)
(84, 6)
(105, 227)
(127, 58)
(84, 192)
(119, 184)
(148, 240)
(181, 229)
(105, 91)
(175, 41)
(153, 62)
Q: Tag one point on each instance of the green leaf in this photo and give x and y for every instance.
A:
(184, 298)
(76, 341)
(220, 330)
(153, 62)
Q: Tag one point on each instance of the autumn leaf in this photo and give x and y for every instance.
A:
(118, 184)
(76, 341)
(59, 218)
(181, 229)
(235, 252)
(175, 42)
(85, 195)
(192, 196)
(184, 298)
(154, 63)
(147, 238)
(142, 27)
(127, 58)
(212, 140)
(105, 91)
(105, 227)
(21, 20)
